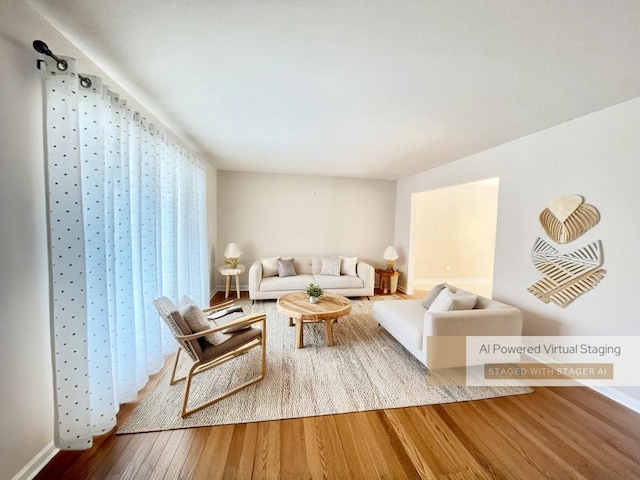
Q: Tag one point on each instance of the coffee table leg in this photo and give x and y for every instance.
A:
(291, 322)
(328, 330)
(299, 338)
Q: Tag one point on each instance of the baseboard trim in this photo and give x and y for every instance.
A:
(609, 392)
(430, 282)
(619, 397)
(37, 463)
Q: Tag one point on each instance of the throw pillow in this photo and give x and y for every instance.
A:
(198, 322)
(432, 295)
(331, 266)
(464, 301)
(348, 266)
(286, 268)
(270, 267)
(447, 301)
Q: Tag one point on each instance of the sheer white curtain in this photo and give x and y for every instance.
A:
(127, 220)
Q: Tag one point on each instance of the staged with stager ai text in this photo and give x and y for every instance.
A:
(610, 361)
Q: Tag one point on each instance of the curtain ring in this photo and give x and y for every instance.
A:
(85, 81)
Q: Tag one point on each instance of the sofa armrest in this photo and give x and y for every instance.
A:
(367, 273)
(477, 322)
(255, 277)
(444, 332)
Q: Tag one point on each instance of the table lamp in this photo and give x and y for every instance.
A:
(231, 255)
(390, 255)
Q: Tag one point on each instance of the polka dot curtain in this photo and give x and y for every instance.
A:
(126, 211)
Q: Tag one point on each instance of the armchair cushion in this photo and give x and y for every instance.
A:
(197, 321)
(171, 315)
(235, 340)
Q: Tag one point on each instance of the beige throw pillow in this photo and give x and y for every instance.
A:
(348, 266)
(331, 266)
(432, 295)
(198, 322)
(447, 300)
(270, 267)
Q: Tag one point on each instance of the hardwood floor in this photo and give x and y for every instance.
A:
(553, 433)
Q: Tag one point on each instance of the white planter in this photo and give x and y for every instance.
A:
(314, 299)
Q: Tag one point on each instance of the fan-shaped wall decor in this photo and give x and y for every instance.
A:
(568, 217)
(566, 276)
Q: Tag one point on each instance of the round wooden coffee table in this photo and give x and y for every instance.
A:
(328, 310)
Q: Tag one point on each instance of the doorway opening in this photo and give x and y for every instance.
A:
(453, 237)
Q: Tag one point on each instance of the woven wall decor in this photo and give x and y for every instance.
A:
(568, 217)
(568, 275)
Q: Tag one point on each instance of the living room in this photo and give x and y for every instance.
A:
(288, 212)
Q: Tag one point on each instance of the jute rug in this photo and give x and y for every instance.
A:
(365, 370)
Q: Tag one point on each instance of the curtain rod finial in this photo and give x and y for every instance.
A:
(41, 47)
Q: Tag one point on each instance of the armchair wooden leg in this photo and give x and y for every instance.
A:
(197, 368)
(172, 379)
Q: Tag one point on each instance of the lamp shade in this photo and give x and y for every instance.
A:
(390, 253)
(232, 251)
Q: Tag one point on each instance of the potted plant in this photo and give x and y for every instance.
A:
(314, 292)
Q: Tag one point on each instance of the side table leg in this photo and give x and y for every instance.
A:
(238, 285)
(299, 338)
(226, 290)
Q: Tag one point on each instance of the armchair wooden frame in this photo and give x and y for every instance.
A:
(200, 366)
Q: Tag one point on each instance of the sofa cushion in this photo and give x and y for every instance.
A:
(270, 267)
(447, 300)
(298, 282)
(348, 266)
(316, 265)
(404, 319)
(330, 266)
(286, 268)
(343, 281)
(432, 295)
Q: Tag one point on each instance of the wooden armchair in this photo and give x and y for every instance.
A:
(205, 356)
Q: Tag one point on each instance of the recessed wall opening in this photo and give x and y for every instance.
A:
(453, 237)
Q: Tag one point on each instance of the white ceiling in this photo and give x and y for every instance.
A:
(358, 88)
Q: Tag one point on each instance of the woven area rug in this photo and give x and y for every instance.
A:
(365, 370)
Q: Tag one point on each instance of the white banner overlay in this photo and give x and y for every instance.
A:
(553, 361)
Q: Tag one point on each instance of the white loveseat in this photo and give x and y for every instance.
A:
(355, 278)
(412, 324)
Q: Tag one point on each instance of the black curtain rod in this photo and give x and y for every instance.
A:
(62, 64)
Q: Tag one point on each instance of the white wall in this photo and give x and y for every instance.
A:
(454, 236)
(26, 398)
(595, 156)
(288, 215)
(26, 414)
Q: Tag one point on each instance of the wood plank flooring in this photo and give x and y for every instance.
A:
(553, 433)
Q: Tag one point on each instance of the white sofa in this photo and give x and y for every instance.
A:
(308, 270)
(411, 324)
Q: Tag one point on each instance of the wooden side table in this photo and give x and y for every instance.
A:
(229, 272)
(388, 280)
